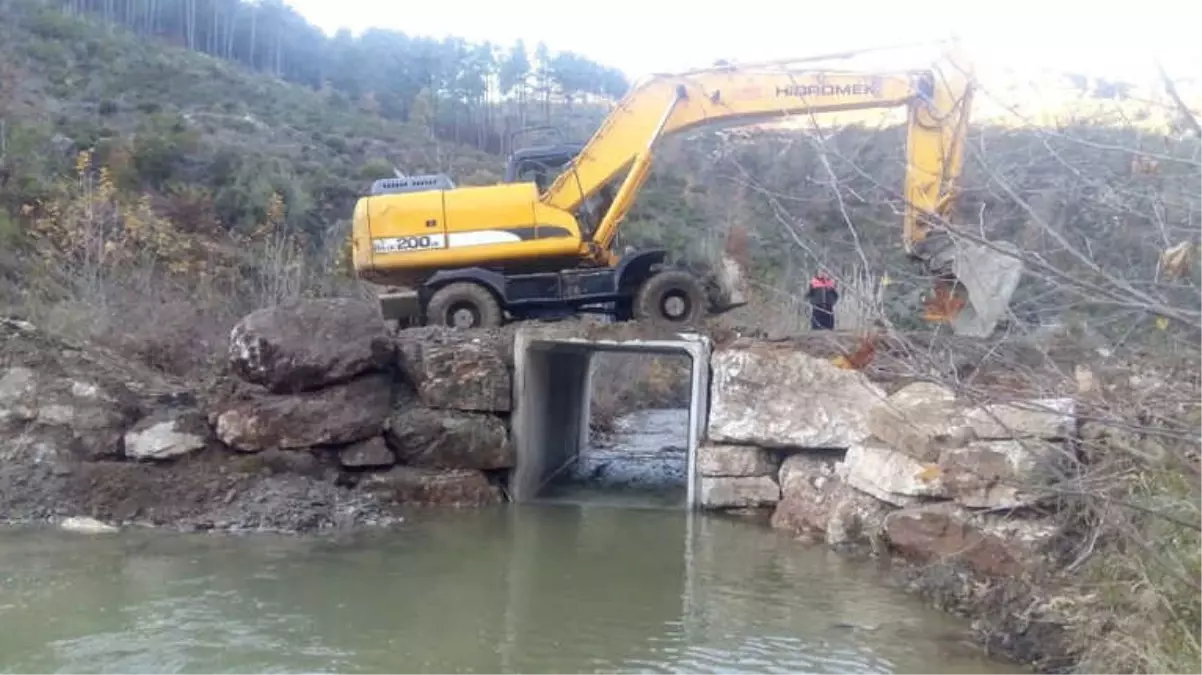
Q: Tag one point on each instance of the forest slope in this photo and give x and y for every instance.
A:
(152, 195)
(188, 127)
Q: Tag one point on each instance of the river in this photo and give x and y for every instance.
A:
(570, 585)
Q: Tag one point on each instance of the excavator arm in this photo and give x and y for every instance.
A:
(938, 102)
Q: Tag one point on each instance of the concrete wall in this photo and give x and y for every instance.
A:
(552, 386)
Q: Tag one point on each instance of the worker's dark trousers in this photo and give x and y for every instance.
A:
(822, 317)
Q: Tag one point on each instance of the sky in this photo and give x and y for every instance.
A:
(1103, 37)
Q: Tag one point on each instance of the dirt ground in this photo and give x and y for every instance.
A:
(292, 491)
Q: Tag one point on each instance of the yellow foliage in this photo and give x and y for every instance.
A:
(88, 226)
(92, 229)
(929, 473)
(1175, 260)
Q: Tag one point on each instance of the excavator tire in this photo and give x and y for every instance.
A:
(671, 297)
(463, 305)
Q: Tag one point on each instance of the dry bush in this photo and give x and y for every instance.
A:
(108, 268)
(1107, 218)
(623, 383)
(1137, 500)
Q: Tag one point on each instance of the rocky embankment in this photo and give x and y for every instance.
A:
(323, 419)
(953, 487)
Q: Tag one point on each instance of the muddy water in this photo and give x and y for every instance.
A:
(543, 588)
(582, 585)
(645, 452)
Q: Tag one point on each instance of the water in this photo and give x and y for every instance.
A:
(538, 588)
(646, 451)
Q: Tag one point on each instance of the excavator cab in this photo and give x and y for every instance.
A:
(540, 164)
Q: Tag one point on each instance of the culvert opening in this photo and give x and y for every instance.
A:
(636, 450)
(609, 421)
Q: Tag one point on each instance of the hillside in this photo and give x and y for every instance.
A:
(167, 121)
(149, 194)
(209, 155)
(159, 180)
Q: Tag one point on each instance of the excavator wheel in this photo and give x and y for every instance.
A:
(463, 305)
(672, 297)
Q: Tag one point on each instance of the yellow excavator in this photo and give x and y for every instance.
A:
(532, 247)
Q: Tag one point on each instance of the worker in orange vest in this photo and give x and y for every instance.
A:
(822, 297)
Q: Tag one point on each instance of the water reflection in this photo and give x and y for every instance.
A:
(544, 588)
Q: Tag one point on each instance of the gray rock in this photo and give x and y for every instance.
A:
(308, 344)
(337, 415)
(890, 476)
(372, 453)
(735, 460)
(449, 439)
(1050, 418)
(920, 420)
(167, 434)
(726, 492)
(782, 398)
(993, 474)
(462, 370)
(63, 416)
(419, 486)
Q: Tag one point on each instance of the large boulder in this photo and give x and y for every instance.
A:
(817, 505)
(999, 474)
(308, 344)
(808, 485)
(777, 397)
(419, 486)
(373, 453)
(459, 370)
(995, 546)
(920, 420)
(738, 492)
(251, 421)
(449, 439)
(735, 460)
(1049, 418)
(890, 476)
(855, 518)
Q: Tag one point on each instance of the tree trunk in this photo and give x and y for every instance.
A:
(254, 28)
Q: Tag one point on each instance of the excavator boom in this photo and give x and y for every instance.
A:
(972, 277)
(527, 249)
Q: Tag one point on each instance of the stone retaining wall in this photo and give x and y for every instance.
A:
(417, 418)
(321, 389)
(919, 470)
(322, 419)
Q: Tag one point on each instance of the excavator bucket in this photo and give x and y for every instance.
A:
(986, 277)
(730, 281)
(731, 287)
